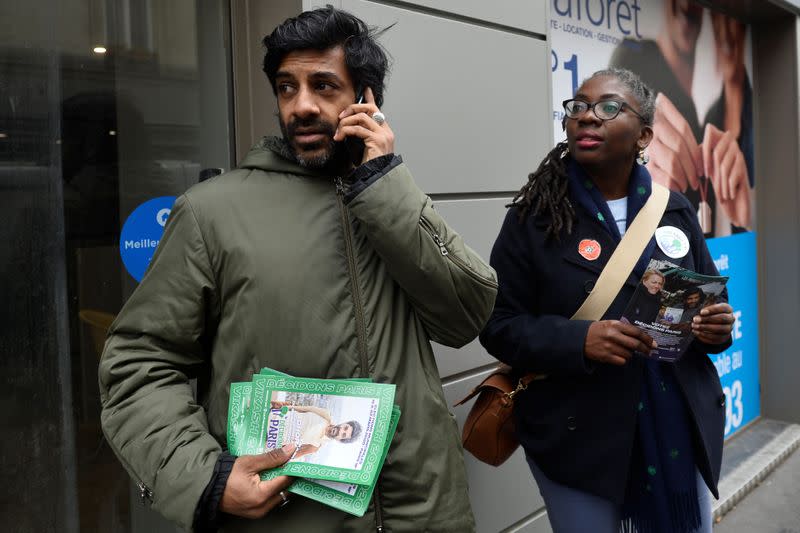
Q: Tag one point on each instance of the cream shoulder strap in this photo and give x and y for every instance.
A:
(625, 256)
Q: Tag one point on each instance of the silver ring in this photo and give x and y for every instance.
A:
(285, 497)
(379, 117)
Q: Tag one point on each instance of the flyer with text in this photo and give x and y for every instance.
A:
(349, 497)
(339, 427)
(665, 303)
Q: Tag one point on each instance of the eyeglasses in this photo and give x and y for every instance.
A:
(603, 109)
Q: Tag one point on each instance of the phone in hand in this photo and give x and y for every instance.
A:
(355, 145)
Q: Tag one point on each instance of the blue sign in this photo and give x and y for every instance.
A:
(141, 233)
(735, 256)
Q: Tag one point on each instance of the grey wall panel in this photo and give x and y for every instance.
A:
(527, 15)
(453, 361)
(500, 496)
(478, 222)
(776, 48)
(468, 104)
(536, 524)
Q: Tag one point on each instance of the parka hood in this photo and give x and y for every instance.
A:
(271, 154)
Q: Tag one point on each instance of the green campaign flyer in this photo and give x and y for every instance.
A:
(339, 427)
(238, 414)
(348, 497)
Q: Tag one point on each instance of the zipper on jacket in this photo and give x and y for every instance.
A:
(376, 498)
(145, 494)
(361, 328)
(430, 230)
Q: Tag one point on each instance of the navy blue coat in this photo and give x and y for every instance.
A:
(579, 423)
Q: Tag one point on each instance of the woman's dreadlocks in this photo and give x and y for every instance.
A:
(546, 192)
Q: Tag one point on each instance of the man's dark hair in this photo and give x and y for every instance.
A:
(356, 430)
(324, 28)
(691, 291)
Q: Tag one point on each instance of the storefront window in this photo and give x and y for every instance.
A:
(105, 106)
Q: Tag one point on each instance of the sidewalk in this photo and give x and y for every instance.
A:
(772, 507)
(760, 488)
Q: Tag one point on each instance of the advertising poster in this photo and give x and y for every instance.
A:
(699, 62)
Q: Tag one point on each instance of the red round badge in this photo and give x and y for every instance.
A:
(589, 249)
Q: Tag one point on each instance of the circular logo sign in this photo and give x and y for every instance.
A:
(672, 241)
(589, 249)
(141, 233)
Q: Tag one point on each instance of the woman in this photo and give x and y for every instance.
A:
(611, 438)
(647, 298)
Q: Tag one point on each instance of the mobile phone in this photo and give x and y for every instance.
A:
(355, 145)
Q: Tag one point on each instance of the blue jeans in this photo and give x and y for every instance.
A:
(573, 511)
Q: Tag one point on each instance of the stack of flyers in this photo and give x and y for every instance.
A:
(342, 430)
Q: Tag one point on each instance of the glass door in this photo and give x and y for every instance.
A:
(109, 109)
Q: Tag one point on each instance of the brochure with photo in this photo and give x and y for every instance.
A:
(339, 427)
(348, 497)
(665, 303)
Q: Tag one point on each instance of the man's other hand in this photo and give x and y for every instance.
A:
(245, 494)
(356, 121)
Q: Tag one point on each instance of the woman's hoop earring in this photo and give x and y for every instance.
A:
(642, 158)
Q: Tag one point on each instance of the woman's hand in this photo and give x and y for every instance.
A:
(714, 324)
(613, 342)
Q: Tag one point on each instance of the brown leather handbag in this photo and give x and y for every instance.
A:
(489, 429)
(488, 432)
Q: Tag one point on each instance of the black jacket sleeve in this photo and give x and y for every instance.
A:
(207, 516)
(518, 333)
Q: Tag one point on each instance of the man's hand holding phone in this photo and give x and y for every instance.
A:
(356, 121)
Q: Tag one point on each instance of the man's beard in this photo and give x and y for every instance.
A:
(332, 152)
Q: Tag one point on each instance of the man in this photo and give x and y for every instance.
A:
(302, 263)
(311, 427)
(646, 301)
(693, 299)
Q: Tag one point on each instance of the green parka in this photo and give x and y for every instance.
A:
(267, 266)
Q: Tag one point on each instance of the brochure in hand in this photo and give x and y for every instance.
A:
(270, 401)
(665, 303)
(348, 497)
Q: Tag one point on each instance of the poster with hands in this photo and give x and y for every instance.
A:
(699, 63)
